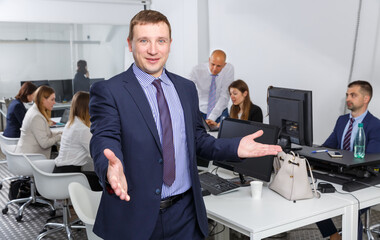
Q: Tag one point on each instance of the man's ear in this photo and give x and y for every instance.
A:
(366, 98)
(129, 45)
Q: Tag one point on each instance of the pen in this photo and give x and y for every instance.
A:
(318, 151)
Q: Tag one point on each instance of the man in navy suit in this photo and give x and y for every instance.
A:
(358, 96)
(130, 144)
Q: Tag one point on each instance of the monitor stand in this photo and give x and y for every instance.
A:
(242, 181)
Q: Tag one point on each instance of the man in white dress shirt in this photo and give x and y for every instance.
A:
(212, 81)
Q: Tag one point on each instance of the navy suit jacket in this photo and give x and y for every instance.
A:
(15, 116)
(123, 122)
(371, 126)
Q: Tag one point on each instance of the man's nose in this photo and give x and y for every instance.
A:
(152, 49)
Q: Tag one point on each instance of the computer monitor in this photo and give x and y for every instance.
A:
(94, 80)
(38, 83)
(260, 167)
(291, 111)
(67, 85)
(63, 89)
(58, 89)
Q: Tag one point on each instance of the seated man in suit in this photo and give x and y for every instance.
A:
(358, 96)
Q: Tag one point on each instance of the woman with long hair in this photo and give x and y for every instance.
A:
(74, 150)
(242, 107)
(36, 136)
(16, 110)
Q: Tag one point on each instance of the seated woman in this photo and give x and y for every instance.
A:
(74, 151)
(36, 136)
(242, 107)
(16, 110)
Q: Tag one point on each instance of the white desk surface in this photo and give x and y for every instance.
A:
(273, 214)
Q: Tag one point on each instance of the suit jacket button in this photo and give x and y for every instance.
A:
(158, 191)
(160, 160)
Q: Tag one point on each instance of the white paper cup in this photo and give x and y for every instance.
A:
(256, 189)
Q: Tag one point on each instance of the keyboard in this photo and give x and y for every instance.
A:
(360, 183)
(215, 184)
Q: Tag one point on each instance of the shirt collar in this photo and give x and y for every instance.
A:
(360, 118)
(146, 79)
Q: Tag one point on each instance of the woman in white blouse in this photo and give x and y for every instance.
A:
(74, 151)
(36, 136)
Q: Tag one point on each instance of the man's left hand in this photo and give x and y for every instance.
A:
(248, 148)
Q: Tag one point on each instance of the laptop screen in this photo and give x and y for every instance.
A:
(65, 116)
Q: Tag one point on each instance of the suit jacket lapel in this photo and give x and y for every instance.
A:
(134, 88)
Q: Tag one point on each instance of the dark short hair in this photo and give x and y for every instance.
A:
(364, 87)
(147, 16)
(26, 89)
(82, 64)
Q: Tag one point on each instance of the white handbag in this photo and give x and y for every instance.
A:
(291, 180)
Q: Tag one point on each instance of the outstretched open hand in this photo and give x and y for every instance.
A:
(115, 175)
(248, 148)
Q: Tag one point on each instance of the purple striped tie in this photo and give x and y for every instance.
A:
(211, 96)
(347, 137)
(167, 135)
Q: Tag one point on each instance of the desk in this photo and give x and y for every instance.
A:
(60, 106)
(273, 214)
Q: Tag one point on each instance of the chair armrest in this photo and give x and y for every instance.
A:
(46, 165)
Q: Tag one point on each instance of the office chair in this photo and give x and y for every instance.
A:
(10, 144)
(368, 228)
(18, 165)
(85, 203)
(54, 186)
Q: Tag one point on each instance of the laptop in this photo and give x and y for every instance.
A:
(64, 119)
(208, 127)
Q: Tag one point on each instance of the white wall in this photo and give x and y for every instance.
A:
(184, 19)
(302, 44)
(61, 20)
(68, 11)
(46, 60)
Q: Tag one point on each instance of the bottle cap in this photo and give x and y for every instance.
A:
(360, 125)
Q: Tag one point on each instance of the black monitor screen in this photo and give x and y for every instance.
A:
(37, 82)
(260, 167)
(291, 111)
(94, 80)
(58, 89)
(67, 85)
(63, 89)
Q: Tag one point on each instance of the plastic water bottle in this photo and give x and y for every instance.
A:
(359, 143)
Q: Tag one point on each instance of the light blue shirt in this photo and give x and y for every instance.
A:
(354, 129)
(182, 180)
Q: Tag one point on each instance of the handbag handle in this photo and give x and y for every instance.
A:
(315, 193)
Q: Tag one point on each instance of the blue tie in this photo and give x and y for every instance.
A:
(347, 137)
(211, 96)
(167, 135)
